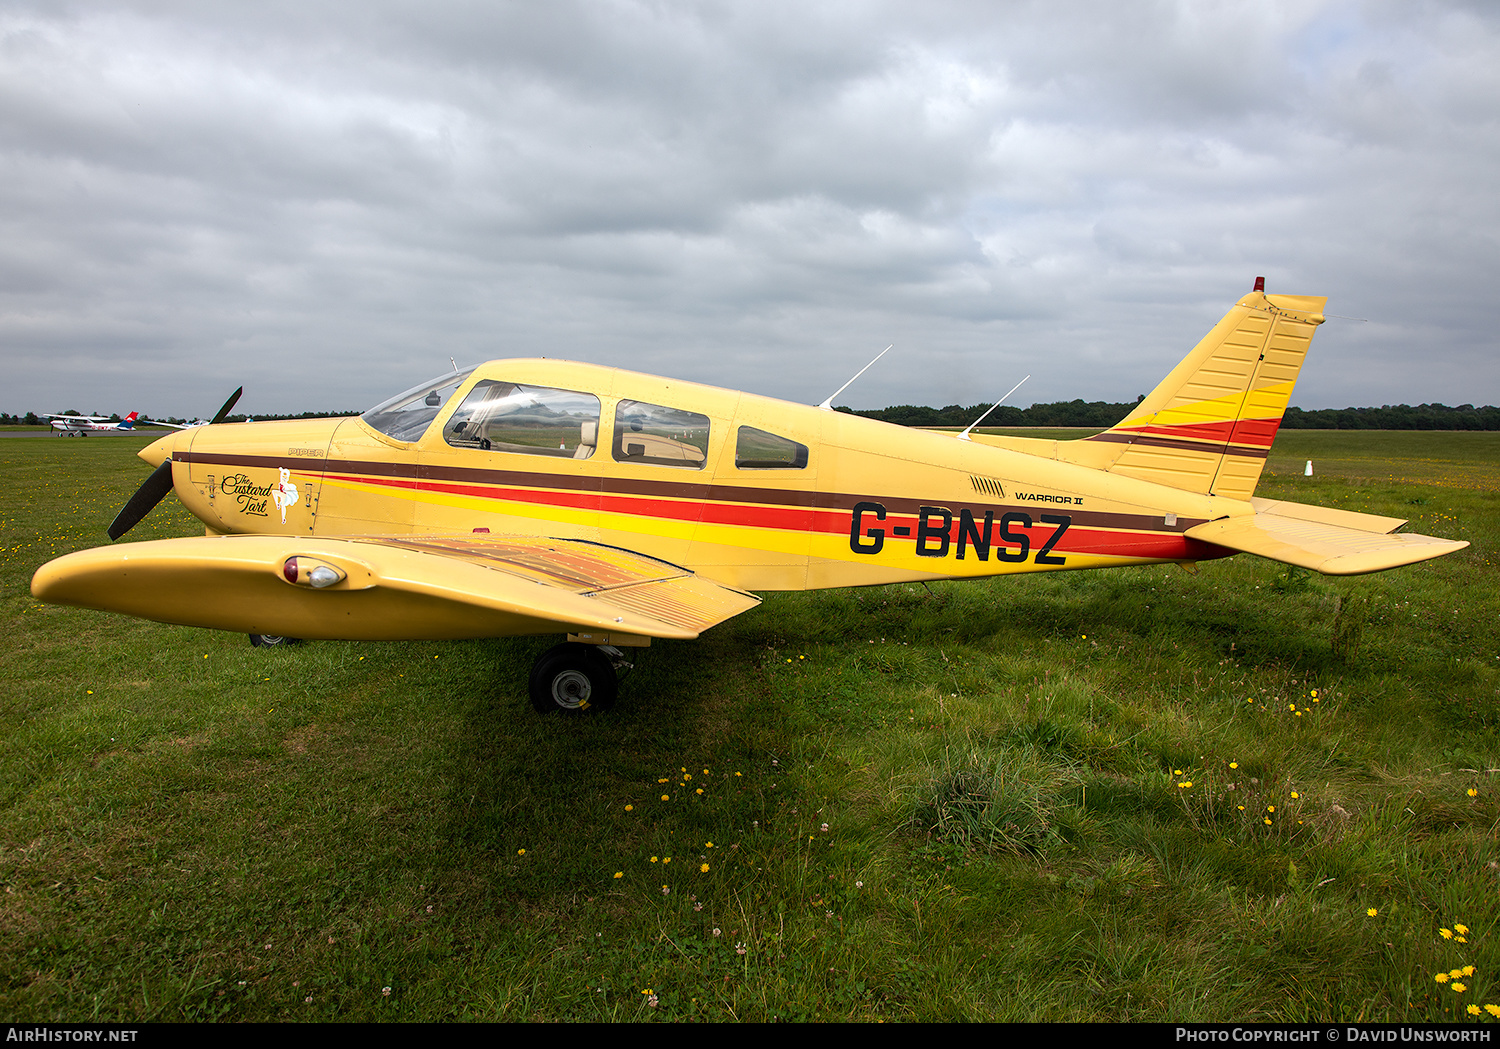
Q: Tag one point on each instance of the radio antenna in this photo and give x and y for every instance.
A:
(828, 404)
(965, 435)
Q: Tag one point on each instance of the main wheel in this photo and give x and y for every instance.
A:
(572, 678)
(273, 640)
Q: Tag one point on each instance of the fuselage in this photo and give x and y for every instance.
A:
(81, 424)
(751, 492)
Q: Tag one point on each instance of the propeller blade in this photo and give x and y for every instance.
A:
(233, 398)
(147, 496)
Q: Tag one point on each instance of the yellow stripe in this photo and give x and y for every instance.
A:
(1260, 403)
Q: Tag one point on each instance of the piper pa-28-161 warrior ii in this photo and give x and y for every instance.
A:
(540, 496)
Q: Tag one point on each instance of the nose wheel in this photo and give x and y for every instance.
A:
(573, 678)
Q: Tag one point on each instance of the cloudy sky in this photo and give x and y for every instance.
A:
(325, 202)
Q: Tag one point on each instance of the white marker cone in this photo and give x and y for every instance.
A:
(1308, 471)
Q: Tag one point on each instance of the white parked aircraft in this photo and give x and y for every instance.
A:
(78, 425)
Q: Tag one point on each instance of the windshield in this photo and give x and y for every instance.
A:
(406, 416)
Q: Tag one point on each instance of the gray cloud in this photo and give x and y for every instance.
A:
(326, 203)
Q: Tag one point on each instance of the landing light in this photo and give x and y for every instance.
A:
(304, 571)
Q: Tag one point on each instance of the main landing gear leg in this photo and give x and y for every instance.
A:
(273, 640)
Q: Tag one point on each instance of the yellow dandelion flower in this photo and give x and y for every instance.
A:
(1461, 928)
(629, 808)
(1240, 807)
(708, 844)
(1270, 808)
(1493, 1010)
(1446, 934)
(1468, 970)
(655, 859)
(1473, 1010)
(1176, 772)
(1462, 939)
(619, 874)
(1473, 793)
(704, 869)
(1372, 912)
(1459, 988)
(1268, 822)
(1315, 693)
(1455, 973)
(1295, 795)
(700, 790)
(1234, 764)
(520, 852)
(666, 859)
(1440, 977)
(666, 797)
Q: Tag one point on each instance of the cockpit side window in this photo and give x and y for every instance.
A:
(758, 450)
(526, 420)
(650, 433)
(406, 416)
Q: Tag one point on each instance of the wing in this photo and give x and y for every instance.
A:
(388, 588)
(1334, 542)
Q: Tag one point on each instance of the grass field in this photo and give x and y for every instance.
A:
(1243, 794)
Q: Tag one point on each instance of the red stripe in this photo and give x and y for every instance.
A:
(1258, 432)
(1079, 539)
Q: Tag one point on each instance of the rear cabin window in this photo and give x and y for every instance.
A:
(758, 450)
(651, 433)
(527, 420)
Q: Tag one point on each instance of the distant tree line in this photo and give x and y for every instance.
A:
(273, 418)
(1098, 414)
(1103, 414)
(1077, 413)
(1395, 417)
(32, 419)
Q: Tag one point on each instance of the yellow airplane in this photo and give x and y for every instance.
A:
(542, 496)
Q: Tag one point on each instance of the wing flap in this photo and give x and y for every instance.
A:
(393, 588)
(1329, 548)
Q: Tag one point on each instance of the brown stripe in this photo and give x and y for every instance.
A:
(699, 492)
(1179, 443)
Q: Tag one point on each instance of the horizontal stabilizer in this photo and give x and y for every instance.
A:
(1323, 546)
(1327, 515)
(392, 588)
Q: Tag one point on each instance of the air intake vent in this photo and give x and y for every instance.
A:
(987, 486)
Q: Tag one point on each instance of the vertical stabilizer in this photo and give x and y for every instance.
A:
(1209, 425)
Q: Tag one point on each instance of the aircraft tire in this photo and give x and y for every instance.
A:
(572, 678)
(273, 640)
